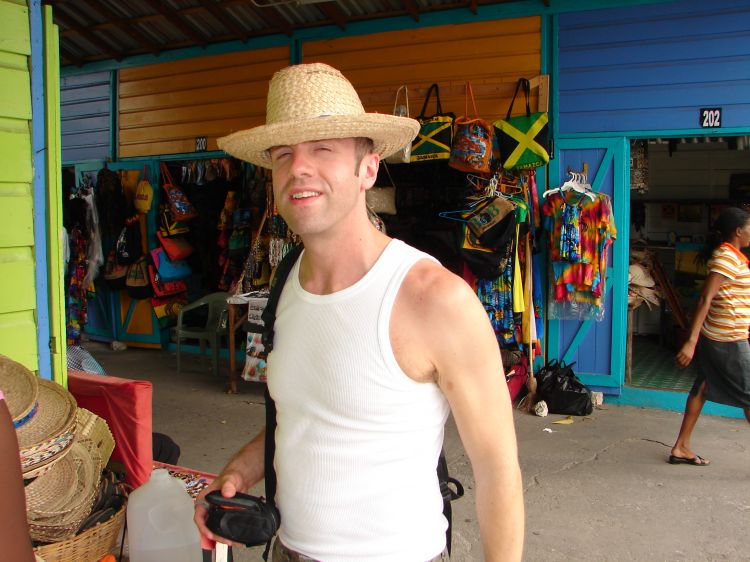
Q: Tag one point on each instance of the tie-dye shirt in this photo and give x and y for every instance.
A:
(581, 229)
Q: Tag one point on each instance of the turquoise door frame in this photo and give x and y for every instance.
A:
(598, 347)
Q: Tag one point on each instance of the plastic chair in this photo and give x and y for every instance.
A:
(211, 332)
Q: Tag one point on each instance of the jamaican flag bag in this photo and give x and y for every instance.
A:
(435, 134)
(523, 140)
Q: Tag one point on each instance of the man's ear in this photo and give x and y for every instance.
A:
(369, 169)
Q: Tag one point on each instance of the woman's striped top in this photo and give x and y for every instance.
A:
(728, 317)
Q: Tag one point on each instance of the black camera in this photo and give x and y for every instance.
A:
(245, 519)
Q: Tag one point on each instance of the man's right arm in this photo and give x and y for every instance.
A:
(239, 475)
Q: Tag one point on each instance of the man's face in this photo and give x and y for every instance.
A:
(317, 185)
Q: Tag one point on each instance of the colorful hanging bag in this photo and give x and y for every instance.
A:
(471, 150)
(165, 288)
(435, 133)
(179, 205)
(523, 140)
(177, 247)
(137, 283)
(169, 270)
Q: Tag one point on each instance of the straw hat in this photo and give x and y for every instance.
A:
(59, 500)
(46, 432)
(309, 102)
(20, 388)
(637, 275)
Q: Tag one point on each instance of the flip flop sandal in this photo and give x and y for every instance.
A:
(697, 460)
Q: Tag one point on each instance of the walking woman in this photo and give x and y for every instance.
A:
(719, 330)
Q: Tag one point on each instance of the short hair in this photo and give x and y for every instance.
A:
(362, 147)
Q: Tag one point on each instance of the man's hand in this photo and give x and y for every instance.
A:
(229, 483)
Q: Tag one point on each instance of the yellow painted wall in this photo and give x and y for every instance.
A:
(164, 107)
(18, 328)
(492, 55)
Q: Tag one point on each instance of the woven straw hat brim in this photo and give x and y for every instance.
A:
(389, 133)
(19, 386)
(68, 486)
(51, 429)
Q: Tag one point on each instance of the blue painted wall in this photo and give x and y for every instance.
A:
(85, 111)
(653, 67)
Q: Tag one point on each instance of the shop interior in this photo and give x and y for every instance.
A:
(678, 186)
(228, 238)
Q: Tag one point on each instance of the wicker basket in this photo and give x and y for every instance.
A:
(89, 546)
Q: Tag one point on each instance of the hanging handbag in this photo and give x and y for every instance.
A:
(165, 288)
(128, 246)
(114, 273)
(167, 308)
(471, 150)
(137, 282)
(169, 270)
(403, 155)
(492, 221)
(177, 247)
(168, 226)
(435, 133)
(179, 205)
(144, 195)
(523, 140)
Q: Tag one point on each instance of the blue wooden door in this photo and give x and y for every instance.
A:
(598, 347)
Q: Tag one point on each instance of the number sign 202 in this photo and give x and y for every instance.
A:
(710, 117)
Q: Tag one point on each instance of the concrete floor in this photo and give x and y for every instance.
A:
(599, 489)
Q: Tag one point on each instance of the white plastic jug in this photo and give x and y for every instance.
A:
(160, 522)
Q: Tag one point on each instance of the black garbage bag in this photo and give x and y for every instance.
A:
(562, 390)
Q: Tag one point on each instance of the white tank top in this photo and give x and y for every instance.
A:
(357, 440)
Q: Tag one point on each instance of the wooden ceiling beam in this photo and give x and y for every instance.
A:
(124, 26)
(332, 11)
(174, 18)
(225, 20)
(412, 9)
(272, 17)
(72, 28)
(67, 56)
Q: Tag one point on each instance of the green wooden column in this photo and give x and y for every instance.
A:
(18, 327)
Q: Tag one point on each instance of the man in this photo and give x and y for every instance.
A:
(374, 343)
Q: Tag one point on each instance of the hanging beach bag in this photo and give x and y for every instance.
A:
(168, 226)
(403, 155)
(165, 288)
(137, 282)
(492, 221)
(128, 247)
(144, 195)
(471, 150)
(179, 205)
(523, 140)
(435, 133)
(169, 270)
(114, 273)
(177, 247)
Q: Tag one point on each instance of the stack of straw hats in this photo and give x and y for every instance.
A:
(61, 466)
(641, 287)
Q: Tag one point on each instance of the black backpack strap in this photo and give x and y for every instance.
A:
(269, 319)
(449, 494)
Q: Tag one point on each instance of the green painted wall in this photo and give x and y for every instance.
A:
(18, 328)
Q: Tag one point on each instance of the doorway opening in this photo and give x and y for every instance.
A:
(678, 188)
